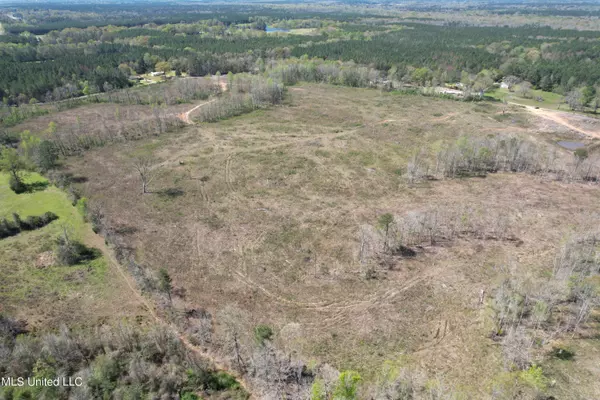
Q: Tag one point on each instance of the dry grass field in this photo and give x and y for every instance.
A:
(264, 212)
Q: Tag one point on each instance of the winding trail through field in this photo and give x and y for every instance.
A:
(185, 117)
(218, 364)
(556, 117)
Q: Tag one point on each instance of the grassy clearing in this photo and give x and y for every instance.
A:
(550, 100)
(303, 31)
(38, 202)
(32, 287)
(275, 226)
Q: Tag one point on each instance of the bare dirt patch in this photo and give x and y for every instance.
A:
(580, 124)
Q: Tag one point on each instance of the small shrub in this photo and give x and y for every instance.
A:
(74, 195)
(534, 377)
(82, 207)
(347, 386)
(562, 353)
(60, 179)
(8, 228)
(8, 139)
(405, 251)
(262, 333)
(581, 153)
(71, 252)
(222, 381)
(104, 377)
(17, 185)
(48, 217)
(96, 217)
(317, 390)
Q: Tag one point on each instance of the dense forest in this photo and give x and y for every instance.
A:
(46, 53)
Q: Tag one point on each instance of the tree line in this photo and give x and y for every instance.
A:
(72, 62)
(478, 157)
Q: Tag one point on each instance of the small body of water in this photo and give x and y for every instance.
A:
(270, 29)
(570, 145)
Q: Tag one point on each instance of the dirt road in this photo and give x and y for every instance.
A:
(185, 117)
(560, 118)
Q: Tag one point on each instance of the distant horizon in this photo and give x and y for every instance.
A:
(397, 3)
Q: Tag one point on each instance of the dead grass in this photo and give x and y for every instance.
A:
(92, 117)
(273, 226)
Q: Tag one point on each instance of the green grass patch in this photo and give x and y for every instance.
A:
(38, 202)
(28, 279)
(549, 99)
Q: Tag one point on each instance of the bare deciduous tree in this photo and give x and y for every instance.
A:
(144, 165)
(517, 346)
(235, 325)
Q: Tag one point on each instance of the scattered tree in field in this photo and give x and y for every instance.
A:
(525, 89)
(347, 386)
(398, 383)
(483, 82)
(588, 94)
(163, 66)
(235, 325)
(262, 333)
(11, 162)
(70, 252)
(421, 75)
(417, 169)
(384, 223)
(580, 156)
(46, 155)
(165, 283)
(595, 103)
(511, 81)
(144, 167)
(318, 391)
(575, 99)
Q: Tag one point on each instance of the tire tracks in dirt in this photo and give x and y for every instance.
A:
(349, 311)
(201, 188)
(555, 116)
(204, 194)
(232, 152)
(341, 309)
(229, 179)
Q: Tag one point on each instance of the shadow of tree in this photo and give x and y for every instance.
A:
(170, 193)
(36, 186)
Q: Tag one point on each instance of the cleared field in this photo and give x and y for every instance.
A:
(264, 212)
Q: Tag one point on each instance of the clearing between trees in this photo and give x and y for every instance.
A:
(274, 218)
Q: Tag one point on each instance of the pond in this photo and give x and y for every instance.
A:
(270, 29)
(570, 145)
